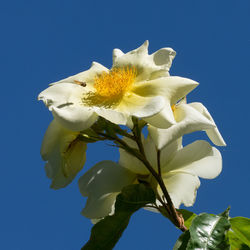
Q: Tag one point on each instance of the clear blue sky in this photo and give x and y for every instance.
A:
(45, 41)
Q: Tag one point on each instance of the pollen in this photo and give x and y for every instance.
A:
(173, 107)
(115, 83)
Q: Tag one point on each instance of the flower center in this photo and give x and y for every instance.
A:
(115, 83)
(110, 87)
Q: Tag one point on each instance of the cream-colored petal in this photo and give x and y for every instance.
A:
(63, 94)
(168, 152)
(148, 66)
(75, 118)
(213, 134)
(182, 188)
(87, 76)
(52, 139)
(101, 184)
(198, 158)
(164, 57)
(173, 88)
(113, 116)
(65, 155)
(65, 102)
(164, 119)
(140, 106)
(187, 119)
(104, 178)
(99, 207)
(63, 170)
(150, 152)
(130, 162)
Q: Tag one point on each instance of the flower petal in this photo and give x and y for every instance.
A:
(75, 118)
(173, 88)
(213, 133)
(168, 152)
(129, 161)
(62, 94)
(51, 139)
(140, 106)
(182, 188)
(98, 207)
(65, 155)
(64, 100)
(164, 119)
(198, 158)
(99, 183)
(188, 120)
(113, 116)
(148, 66)
(87, 76)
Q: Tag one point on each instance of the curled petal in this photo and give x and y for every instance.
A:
(173, 88)
(63, 94)
(65, 155)
(212, 133)
(148, 66)
(187, 120)
(198, 158)
(64, 100)
(164, 119)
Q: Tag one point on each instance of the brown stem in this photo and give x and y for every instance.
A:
(178, 221)
(159, 161)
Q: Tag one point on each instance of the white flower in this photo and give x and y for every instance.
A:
(189, 118)
(138, 84)
(180, 168)
(65, 154)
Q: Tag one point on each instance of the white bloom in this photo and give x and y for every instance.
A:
(138, 84)
(180, 168)
(64, 153)
(101, 184)
(189, 118)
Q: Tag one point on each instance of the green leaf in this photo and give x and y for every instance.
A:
(106, 233)
(208, 232)
(225, 213)
(235, 242)
(241, 227)
(182, 242)
(188, 216)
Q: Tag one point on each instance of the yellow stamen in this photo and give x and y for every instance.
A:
(115, 83)
(173, 107)
(110, 87)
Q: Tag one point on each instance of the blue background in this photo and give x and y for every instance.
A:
(45, 41)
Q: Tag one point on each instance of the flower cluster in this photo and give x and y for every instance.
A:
(137, 92)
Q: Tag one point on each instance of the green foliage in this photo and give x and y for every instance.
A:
(235, 242)
(106, 233)
(182, 242)
(206, 232)
(241, 228)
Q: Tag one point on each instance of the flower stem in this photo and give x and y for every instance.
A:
(159, 161)
(177, 220)
(140, 155)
